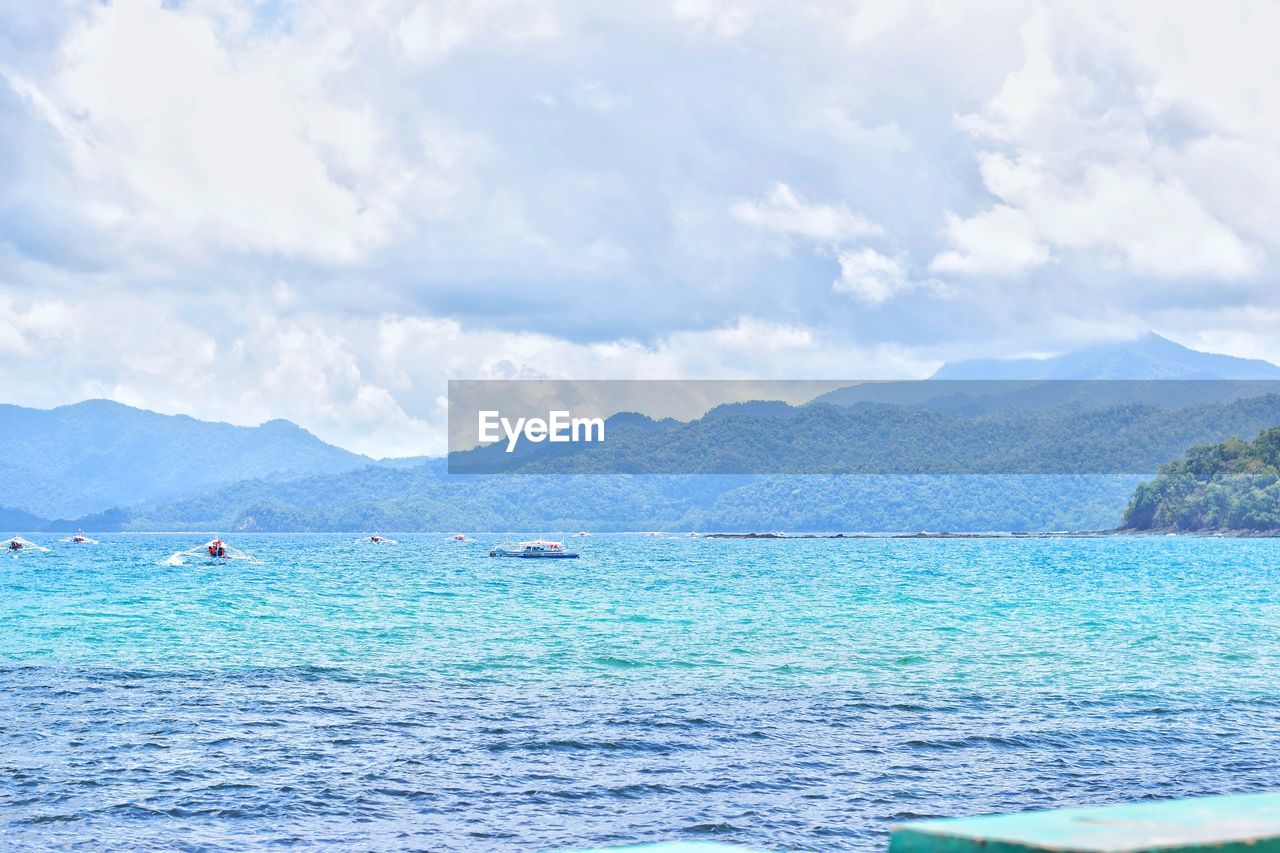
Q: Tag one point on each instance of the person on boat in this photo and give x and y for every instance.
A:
(375, 538)
(216, 549)
(15, 545)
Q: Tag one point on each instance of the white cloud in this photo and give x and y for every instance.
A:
(883, 137)
(1236, 180)
(720, 19)
(433, 29)
(1083, 174)
(866, 274)
(186, 137)
(783, 212)
(869, 276)
(520, 189)
(370, 381)
(999, 241)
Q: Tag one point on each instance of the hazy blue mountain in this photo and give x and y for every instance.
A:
(969, 397)
(1133, 372)
(1149, 357)
(91, 456)
(15, 520)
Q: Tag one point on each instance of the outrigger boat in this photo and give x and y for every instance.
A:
(534, 548)
(80, 539)
(458, 537)
(377, 539)
(17, 545)
(214, 549)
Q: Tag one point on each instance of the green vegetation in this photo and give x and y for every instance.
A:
(1234, 485)
(426, 498)
(891, 440)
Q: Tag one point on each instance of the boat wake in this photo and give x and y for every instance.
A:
(17, 545)
(213, 551)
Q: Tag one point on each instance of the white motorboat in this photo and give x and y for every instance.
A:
(534, 548)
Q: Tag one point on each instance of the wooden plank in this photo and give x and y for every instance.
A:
(1229, 824)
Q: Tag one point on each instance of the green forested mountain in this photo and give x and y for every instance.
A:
(427, 498)
(892, 440)
(1234, 485)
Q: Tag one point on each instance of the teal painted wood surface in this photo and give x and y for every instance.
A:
(1221, 824)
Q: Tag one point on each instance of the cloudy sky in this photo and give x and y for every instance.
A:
(323, 210)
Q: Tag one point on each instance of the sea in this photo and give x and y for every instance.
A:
(783, 695)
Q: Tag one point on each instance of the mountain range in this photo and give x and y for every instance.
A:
(90, 456)
(1148, 357)
(106, 466)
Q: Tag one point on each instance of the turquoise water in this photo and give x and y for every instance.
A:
(798, 695)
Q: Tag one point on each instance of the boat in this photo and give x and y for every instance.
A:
(80, 539)
(534, 548)
(458, 537)
(215, 550)
(17, 545)
(377, 539)
(582, 533)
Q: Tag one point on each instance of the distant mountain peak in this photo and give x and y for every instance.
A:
(1151, 356)
(92, 455)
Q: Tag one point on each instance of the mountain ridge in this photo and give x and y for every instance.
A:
(1151, 356)
(93, 455)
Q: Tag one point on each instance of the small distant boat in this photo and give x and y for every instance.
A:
(80, 539)
(458, 537)
(377, 539)
(534, 548)
(215, 550)
(17, 545)
(694, 534)
(582, 533)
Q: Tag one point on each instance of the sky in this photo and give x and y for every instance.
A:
(322, 211)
